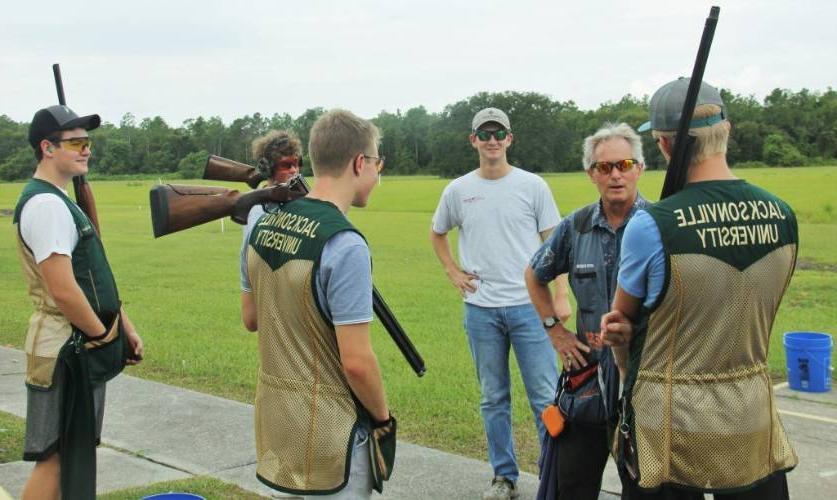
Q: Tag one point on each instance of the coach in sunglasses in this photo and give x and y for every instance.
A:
(586, 245)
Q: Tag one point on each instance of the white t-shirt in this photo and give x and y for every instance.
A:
(47, 226)
(499, 223)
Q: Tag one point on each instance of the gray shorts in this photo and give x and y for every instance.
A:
(43, 417)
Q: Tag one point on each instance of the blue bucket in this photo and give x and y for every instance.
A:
(173, 496)
(808, 361)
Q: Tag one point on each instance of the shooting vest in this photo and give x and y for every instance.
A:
(48, 328)
(699, 398)
(588, 280)
(306, 414)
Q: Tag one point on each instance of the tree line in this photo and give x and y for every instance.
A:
(786, 128)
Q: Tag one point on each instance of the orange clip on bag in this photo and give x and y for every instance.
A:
(553, 420)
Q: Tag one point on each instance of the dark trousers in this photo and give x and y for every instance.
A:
(576, 463)
(775, 488)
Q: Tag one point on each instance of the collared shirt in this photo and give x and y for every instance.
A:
(557, 255)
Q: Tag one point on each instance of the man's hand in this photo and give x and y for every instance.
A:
(135, 343)
(617, 329)
(462, 280)
(133, 338)
(616, 332)
(568, 347)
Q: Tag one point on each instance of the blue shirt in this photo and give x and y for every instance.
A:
(643, 266)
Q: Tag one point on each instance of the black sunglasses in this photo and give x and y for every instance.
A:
(485, 135)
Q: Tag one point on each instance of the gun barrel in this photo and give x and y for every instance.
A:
(391, 324)
(682, 152)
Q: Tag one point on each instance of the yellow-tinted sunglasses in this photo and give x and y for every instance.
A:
(76, 144)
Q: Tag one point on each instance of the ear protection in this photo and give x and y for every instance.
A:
(50, 149)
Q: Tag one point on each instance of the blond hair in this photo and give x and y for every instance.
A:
(709, 141)
(336, 138)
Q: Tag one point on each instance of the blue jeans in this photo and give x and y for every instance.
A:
(491, 331)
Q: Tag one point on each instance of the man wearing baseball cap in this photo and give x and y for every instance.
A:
(701, 276)
(503, 214)
(76, 304)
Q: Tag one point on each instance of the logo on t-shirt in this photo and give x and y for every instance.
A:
(473, 199)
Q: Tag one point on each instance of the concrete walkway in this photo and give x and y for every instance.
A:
(155, 432)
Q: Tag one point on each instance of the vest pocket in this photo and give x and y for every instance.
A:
(107, 355)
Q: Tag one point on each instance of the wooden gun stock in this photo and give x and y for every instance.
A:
(177, 207)
(223, 169)
(85, 200)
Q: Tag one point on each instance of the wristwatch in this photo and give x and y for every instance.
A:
(550, 321)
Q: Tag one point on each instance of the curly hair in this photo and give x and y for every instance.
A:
(268, 148)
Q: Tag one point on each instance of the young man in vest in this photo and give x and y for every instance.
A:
(701, 278)
(279, 158)
(73, 290)
(320, 391)
(585, 245)
(503, 214)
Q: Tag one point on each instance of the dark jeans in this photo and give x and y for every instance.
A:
(576, 464)
(775, 488)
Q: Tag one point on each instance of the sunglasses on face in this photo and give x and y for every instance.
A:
(605, 167)
(76, 144)
(485, 135)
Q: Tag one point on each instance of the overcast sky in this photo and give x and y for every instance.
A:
(183, 59)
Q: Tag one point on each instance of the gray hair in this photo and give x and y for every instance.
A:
(610, 131)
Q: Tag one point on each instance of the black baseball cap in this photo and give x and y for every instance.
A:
(55, 119)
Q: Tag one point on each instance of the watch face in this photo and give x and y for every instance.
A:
(550, 322)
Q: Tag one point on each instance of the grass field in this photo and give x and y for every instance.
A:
(182, 293)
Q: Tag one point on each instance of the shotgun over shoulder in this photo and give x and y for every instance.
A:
(223, 169)
(177, 207)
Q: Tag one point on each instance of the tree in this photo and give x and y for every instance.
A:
(13, 135)
(19, 165)
(192, 165)
(779, 151)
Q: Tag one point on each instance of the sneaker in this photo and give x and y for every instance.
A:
(501, 489)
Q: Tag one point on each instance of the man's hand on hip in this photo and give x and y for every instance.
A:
(568, 347)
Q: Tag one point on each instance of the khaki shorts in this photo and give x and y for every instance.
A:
(43, 417)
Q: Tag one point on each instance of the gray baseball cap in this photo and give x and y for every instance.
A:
(490, 115)
(667, 106)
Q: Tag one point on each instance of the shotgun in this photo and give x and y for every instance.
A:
(81, 188)
(223, 169)
(177, 207)
(218, 168)
(681, 155)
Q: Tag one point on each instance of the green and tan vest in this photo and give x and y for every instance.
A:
(700, 400)
(48, 328)
(306, 414)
